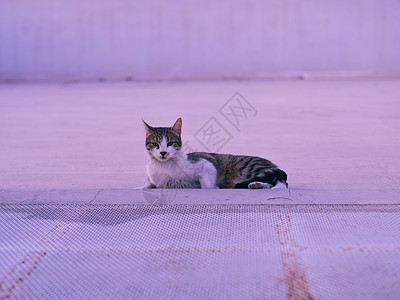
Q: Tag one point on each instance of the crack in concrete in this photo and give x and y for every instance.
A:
(95, 196)
(34, 198)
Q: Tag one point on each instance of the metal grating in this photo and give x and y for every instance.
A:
(199, 251)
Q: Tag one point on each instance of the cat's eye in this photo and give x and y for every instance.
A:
(155, 144)
(170, 144)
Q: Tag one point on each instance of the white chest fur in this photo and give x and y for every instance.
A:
(182, 173)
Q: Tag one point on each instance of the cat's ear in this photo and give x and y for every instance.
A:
(177, 127)
(148, 128)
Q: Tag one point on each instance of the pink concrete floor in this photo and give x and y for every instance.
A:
(324, 134)
(83, 144)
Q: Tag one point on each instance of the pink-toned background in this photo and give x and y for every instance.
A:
(125, 39)
(327, 134)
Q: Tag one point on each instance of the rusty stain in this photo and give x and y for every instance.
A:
(297, 282)
(168, 250)
(17, 274)
(346, 248)
(295, 276)
(225, 249)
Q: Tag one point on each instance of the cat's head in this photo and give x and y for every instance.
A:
(163, 143)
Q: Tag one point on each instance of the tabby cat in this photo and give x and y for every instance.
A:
(170, 167)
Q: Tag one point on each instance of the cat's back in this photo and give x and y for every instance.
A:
(233, 169)
(239, 161)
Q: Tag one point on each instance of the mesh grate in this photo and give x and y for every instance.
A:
(199, 251)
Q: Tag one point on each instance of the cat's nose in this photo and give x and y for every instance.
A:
(163, 153)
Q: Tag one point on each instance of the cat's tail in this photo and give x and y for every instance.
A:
(280, 176)
(273, 176)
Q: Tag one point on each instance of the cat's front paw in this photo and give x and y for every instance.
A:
(148, 185)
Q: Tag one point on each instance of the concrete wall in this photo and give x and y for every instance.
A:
(156, 39)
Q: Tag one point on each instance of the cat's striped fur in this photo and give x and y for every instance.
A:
(170, 167)
(238, 171)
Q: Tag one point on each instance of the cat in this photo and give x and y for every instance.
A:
(170, 167)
